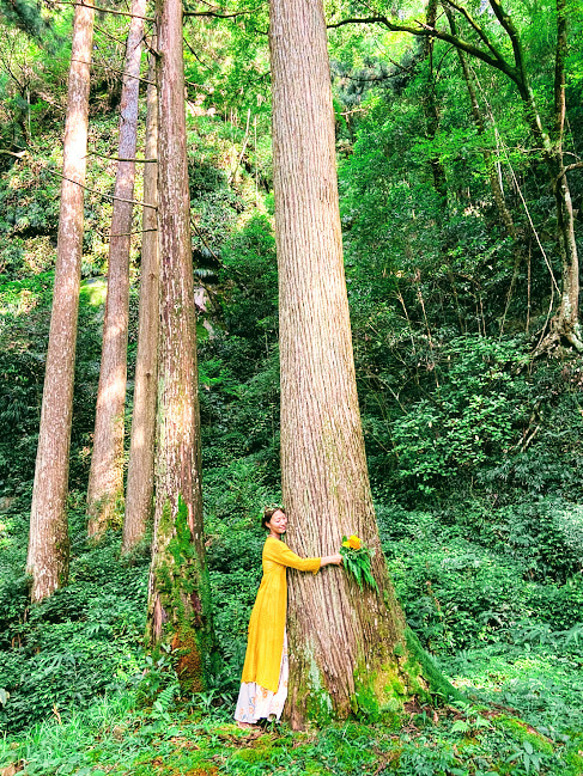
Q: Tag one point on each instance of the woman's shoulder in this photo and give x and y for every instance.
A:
(272, 546)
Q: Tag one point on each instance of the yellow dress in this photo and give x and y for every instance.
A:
(267, 623)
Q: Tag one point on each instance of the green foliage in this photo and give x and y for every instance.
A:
(28, 16)
(82, 642)
(24, 325)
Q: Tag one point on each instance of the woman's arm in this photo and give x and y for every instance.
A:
(278, 552)
(281, 553)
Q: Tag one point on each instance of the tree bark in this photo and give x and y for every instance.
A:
(47, 560)
(105, 491)
(140, 484)
(178, 605)
(348, 649)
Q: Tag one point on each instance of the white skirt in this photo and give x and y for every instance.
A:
(255, 702)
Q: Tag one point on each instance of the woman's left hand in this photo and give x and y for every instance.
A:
(335, 560)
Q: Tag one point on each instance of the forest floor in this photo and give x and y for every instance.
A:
(85, 700)
(524, 715)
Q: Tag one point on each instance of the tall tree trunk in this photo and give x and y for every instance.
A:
(497, 193)
(178, 605)
(140, 484)
(105, 490)
(347, 648)
(48, 542)
(567, 320)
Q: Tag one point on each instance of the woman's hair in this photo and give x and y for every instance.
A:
(268, 513)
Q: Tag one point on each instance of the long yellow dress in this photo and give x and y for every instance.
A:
(267, 623)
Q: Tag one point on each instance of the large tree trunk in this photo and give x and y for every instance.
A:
(48, 542)
(348, 649)
(140, 484)
(105, 491)
(178, 605)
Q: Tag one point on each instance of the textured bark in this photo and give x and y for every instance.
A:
(48, 543)
(105, 491)
(178, 605)
(140, 484)
(343, 642)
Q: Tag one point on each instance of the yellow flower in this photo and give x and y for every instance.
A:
(353, 542)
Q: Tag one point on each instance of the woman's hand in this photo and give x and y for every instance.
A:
(328, 560)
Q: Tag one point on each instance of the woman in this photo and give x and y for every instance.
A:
(264, 682)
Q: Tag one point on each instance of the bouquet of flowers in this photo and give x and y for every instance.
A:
(356, 560)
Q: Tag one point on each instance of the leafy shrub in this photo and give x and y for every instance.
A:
(81, 642)
(472, 418)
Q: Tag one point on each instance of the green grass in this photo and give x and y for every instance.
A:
(524, 717)
(521, 672)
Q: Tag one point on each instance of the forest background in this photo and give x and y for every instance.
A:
(472, 413)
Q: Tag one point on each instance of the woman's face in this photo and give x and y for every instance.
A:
(278, 523)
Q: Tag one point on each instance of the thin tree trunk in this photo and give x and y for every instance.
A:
(140, 484)
(431, 112)
(497, 193)
(566, 322)
(178, 605)
(492, 173)
(343, 643)
(105, 491)
(48, 542)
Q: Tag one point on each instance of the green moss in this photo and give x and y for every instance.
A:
(574, 757)
(183, 586)
(522, 732)
(260, 753)
(438, 684)
(380, 695)
(320, 708)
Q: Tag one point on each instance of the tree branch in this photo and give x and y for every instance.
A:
(575, 166)
(424, 30)
(121, 159)
(508, 26)
(214, 14)
(16, 154)
(109, 35)
(561, 51)
(103, 10)
(100, 193)
(481, 32)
